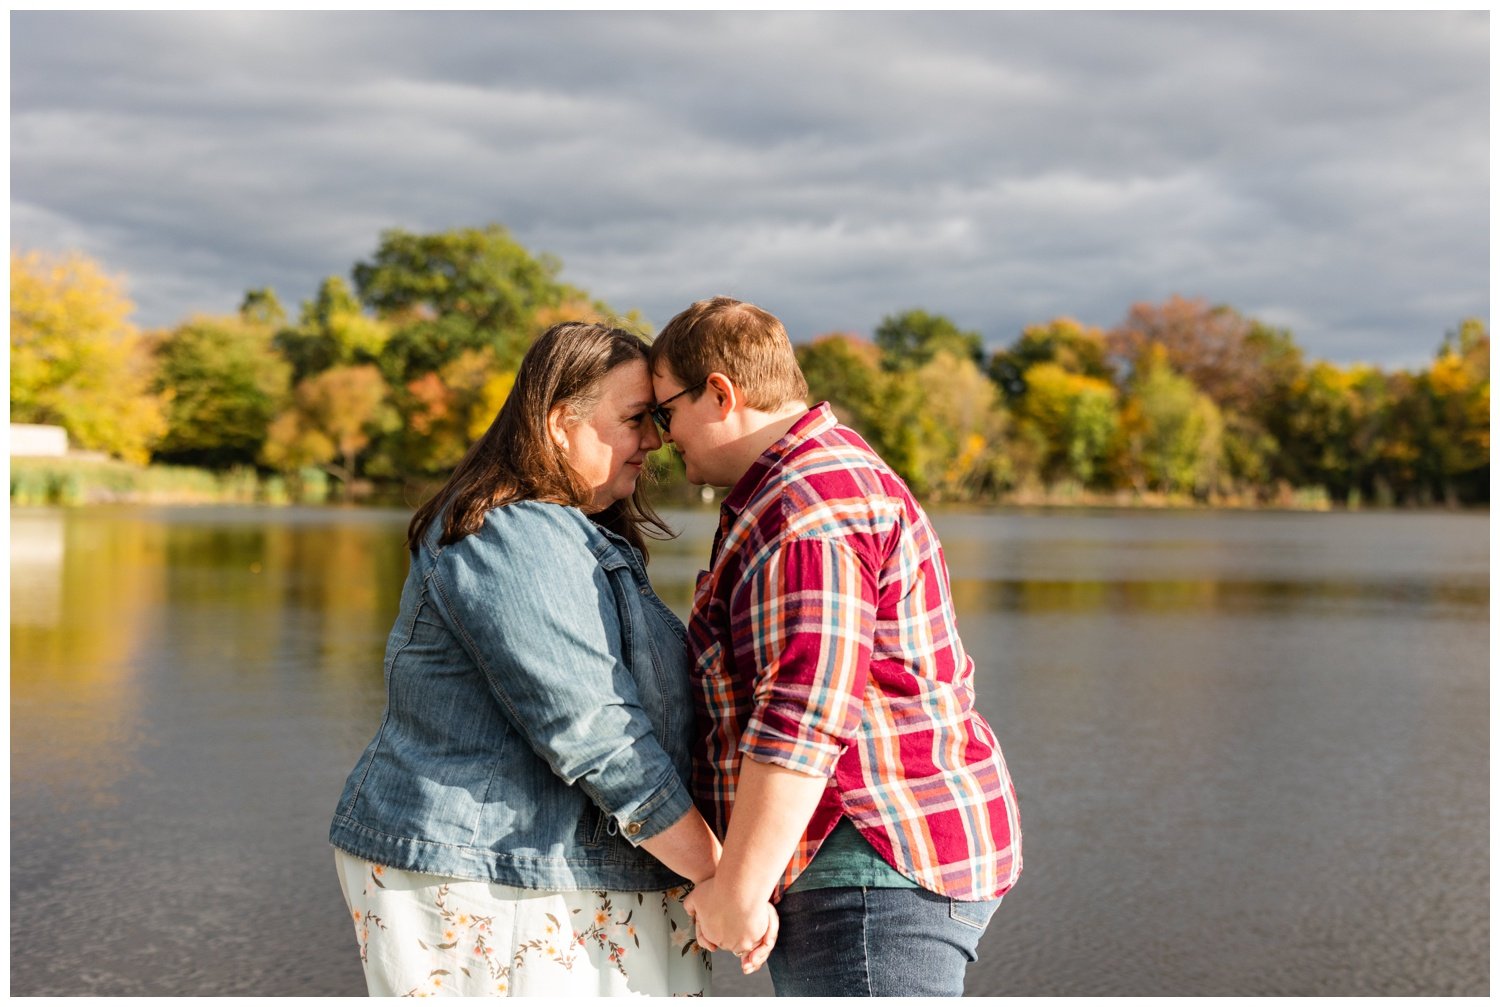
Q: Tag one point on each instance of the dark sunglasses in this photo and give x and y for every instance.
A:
(662, 416)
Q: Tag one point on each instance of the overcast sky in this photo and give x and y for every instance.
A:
(1323, 172)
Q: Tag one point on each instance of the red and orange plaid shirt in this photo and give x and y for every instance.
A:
(824, 641)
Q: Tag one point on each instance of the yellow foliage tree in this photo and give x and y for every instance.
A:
(332, 417)
(1460, 383)
(966, 427)
(1172, 432)
(76, 361)
(1066, 421)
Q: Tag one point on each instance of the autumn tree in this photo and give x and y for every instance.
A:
(1065, 424)
(332, 418)
(1171, 432)
(223, 383)
(1246, 367)
(76, 361)
(441, 413)
(963, 429)
(845, 370)
(938, 424)
(332, 329)
(1459, 386)
(1317, 448)
(1403, 470)
(1072, 346)
(1210, 345)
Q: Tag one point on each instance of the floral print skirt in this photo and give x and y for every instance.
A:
(426, 935)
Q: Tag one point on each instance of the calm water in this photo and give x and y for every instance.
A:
(1252, 749)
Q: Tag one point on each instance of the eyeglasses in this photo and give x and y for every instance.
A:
(663, 417)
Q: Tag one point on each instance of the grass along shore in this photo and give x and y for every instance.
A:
(73, 481)
(85, 480)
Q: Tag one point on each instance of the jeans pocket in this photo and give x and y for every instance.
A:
(972, 914)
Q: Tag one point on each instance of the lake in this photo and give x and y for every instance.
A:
(1251, 749)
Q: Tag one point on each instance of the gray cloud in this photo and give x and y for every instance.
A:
(1328, 172)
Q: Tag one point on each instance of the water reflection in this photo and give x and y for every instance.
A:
(1234, 737)
(1438, 598)
(36, 557)
(81, 601)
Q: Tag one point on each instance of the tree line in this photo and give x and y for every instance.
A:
(386, 381)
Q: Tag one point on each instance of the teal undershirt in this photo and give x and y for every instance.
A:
(847, 860)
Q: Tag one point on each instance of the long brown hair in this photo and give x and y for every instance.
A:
(517, 459)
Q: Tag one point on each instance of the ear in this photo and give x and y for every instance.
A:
(721, 387)
(557, 426)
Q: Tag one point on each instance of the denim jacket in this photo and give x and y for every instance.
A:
(538, 719)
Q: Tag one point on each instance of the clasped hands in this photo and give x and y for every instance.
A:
(745, 929)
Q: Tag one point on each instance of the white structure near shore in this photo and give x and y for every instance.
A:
(33, 440)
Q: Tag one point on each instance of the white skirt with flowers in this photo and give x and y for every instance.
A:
(425, 935)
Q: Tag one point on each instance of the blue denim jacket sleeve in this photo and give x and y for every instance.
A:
(534, 607)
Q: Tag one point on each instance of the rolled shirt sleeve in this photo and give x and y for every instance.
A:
(535, 611)
(809, 610)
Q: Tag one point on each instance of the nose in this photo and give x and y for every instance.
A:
(653, 439)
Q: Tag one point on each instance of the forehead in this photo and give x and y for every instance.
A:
(662, 374)
(629, 380)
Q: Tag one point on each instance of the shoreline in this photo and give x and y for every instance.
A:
(73, 481)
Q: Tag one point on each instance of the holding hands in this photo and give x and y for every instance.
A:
(731, 909)
(744, 927)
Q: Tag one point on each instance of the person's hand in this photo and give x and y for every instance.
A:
(746, 930)
(752, 960)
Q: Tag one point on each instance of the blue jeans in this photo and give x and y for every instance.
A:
(875, 942)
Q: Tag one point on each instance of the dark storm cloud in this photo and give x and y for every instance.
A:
(1325, 172)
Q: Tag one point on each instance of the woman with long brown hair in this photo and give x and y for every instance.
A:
(520, 823)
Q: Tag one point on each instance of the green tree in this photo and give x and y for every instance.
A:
(1075, 348)
(1407, 469)
(332, 330)
(938, 425)
(1067, 422)
(900, 431)
(261, 306)
(1246, 367)
(1335, 427)
(223, 382)
(1172, 433)
(845, 370)
(963, 429)
(458, 290)
(75, 359)
(914, 337)
(1459, 385)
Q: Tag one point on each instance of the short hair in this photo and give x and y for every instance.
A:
(746, 344)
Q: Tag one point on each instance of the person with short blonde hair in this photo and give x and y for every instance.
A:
(747, 343)
(839, 753)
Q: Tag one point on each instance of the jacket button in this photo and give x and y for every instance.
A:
(633, 829)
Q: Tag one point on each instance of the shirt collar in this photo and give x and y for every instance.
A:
(815, 421)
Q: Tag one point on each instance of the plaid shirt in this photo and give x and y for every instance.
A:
(824, 641)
